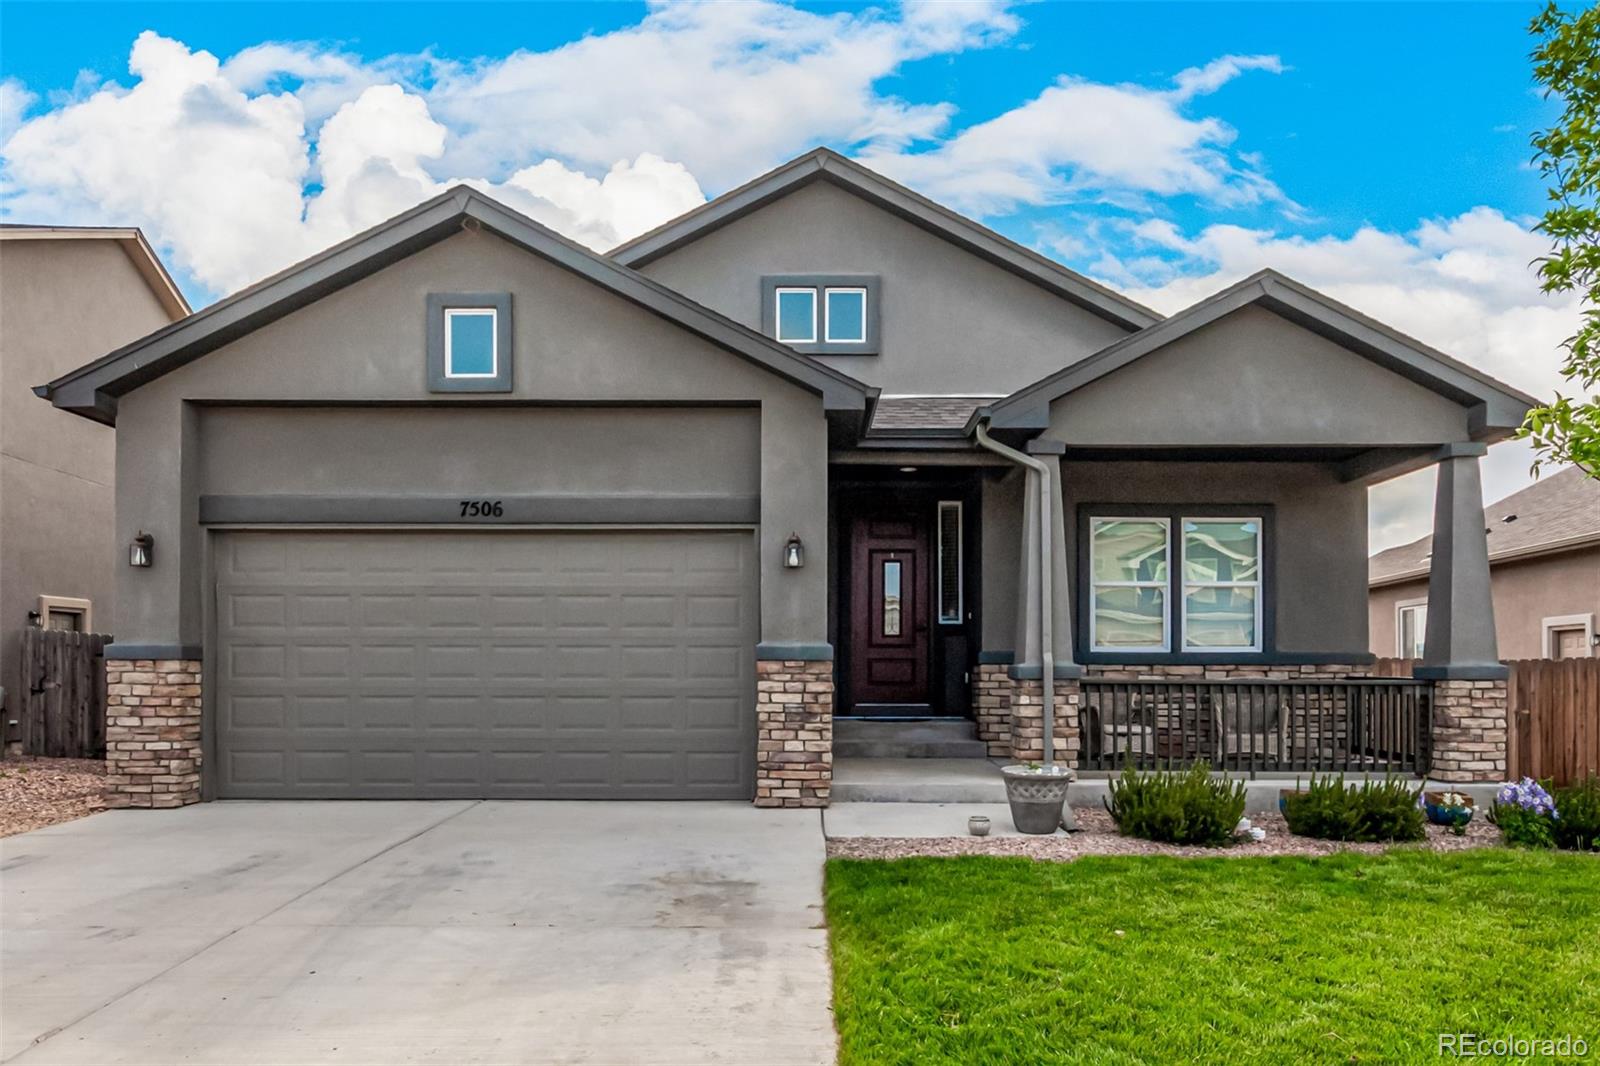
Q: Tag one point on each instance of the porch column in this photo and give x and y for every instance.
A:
(1459, 655)
(1027, 707)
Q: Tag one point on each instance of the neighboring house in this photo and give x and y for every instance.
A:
(461, 508)
(1544, 558)
(67, 294)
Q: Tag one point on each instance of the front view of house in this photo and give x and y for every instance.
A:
(459, 508)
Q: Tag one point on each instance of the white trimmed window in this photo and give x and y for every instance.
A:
(1221, 584)
(471, 343)
(795, 312)
(846, 317)
(1410, 628)
(1129, 574)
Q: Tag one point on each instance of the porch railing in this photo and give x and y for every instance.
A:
(1377, 725)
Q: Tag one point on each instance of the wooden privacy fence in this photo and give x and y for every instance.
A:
(63, 705)
(1553, 711)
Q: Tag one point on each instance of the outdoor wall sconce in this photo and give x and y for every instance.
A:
(794, 553)
(140, 550)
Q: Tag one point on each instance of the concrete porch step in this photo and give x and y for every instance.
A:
(955, 738)
(901, 780)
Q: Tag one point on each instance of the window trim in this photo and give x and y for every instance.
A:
(827, 314)
(961, 561)
(1094, 584)
(66, 605)
(820, 285)
(1548, 627)
(1400, 608)
(449, 342)
(778, 294)
(1266, 634)
(439, 306)
(1181, 580)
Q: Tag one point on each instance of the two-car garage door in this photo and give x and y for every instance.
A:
(497, 664)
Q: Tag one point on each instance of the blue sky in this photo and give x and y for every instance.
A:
(1377, 151)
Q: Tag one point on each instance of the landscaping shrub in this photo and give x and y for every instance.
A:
(1177, 808)
(1377, 812)
(1578, 826)
(1526, 815)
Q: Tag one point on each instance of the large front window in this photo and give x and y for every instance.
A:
(1210, 602)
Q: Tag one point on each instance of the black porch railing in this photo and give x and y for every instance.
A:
(1377, 725)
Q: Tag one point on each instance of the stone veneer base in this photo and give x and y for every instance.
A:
(1469, 731)
(992, 708)
(794, 733)
(1027, 721)
(152, 732)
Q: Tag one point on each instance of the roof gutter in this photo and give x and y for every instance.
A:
(1047, 658)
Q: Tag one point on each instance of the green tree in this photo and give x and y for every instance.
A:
(1567, 63)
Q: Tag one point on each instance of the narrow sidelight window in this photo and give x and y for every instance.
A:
(1222, 584)
(950, 605)
(1128, 565)
(797, 316)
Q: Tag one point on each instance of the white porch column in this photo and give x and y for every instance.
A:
(1460, 641)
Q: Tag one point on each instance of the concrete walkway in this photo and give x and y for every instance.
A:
(417, 932)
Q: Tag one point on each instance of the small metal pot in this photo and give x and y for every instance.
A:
(978, 825)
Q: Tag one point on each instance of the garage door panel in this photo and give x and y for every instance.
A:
(559, 665)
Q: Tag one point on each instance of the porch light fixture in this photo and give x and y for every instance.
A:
(908, 470)
(139, 552)
(794, 553)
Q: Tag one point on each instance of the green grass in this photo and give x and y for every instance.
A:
(1351, 958)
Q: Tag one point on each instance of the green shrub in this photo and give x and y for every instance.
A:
(1526, 814)
(1577, 827)
(1377, 812)
(1177, 808)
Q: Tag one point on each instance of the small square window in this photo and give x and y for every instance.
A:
(797, 316)
(469, 343)
(846, 317)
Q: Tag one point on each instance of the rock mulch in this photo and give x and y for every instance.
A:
(1098, 835)
(36, 792)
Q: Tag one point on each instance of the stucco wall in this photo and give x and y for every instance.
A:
(573, 343)
(62, 304)
(950, 322)
(1318, 556)
(1001, 541)
(1255, 378)
(1525, 593)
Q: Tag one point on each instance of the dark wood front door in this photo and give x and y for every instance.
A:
(889, 614)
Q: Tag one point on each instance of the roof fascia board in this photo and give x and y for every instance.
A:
(901, 202)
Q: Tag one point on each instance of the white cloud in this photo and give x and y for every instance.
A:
(1463, 285)
(1075, 141)
(15, 99)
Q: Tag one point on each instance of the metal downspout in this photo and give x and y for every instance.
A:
(1047, 657)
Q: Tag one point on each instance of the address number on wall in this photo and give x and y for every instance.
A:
(483, 509)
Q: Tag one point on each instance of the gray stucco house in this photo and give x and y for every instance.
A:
(461, 508)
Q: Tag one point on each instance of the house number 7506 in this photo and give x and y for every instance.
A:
(482, 509)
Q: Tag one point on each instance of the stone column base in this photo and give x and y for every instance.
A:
(1469, 731)
(992, 699)
(794, 733)
(152, 732)
(1027, 721)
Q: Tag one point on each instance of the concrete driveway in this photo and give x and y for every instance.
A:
(445, 932)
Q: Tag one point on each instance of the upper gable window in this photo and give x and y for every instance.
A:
(822, 314)
(469, 342)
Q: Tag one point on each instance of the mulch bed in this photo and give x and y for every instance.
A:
(36, 792)
(1097, 835)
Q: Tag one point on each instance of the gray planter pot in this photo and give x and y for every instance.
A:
(1036, 797)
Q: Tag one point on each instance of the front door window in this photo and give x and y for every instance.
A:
(891, 598)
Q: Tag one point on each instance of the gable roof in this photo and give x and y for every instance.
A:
(1498, 408)
(92, 390)
(824, 164)
(132, 242)
(1559, 512)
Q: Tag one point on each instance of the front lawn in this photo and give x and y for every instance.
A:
(1349, 958)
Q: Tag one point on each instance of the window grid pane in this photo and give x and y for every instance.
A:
(1222, 571)
(797, 315)
(1129, 567)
